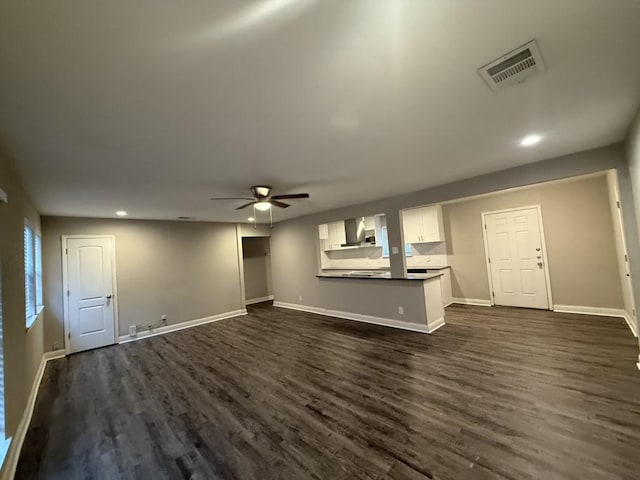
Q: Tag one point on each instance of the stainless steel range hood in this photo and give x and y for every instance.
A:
(354, 229)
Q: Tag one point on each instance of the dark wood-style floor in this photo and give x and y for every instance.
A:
(498, 393)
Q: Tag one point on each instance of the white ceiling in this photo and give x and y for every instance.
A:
(153, 107)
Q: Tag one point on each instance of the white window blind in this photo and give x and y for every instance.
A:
(29, 276)
(38, 270)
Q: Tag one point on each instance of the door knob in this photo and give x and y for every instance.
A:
(539, 264)
(538, 249)
(109, 297)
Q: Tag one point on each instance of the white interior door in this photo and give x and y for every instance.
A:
(516, 261)
(90, 293)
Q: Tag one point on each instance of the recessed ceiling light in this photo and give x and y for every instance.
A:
(251, 219)
(263, 206)
(121, 213)
(530, 140)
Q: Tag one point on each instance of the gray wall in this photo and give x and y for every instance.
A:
(294, 243)
(256, 257)
(633, 158)
(579, 236)
(185, 270)
(22, 349)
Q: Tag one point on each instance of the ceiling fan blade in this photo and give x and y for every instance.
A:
(231, 198)
(246, 205)
(279, 204)
(291, 195)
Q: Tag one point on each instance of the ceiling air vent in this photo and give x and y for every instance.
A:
(514, 67)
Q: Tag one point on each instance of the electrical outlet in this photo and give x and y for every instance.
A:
(133, 331)
(56, 345)
(164, 318)
(300, 298)
(427, 259)
(401, 310)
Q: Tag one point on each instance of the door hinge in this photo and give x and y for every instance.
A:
(66, 251)
(626, 259)
(485, 226)
(618, 204)
(493, 294)
(489, 259)
(633, 312)
(69, 335)
(68, 292)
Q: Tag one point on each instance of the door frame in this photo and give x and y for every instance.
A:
(545, 260)
(65, 287)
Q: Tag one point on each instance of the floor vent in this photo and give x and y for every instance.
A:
(514, 67)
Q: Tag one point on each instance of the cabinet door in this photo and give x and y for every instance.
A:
(431, 224)
(411, 226)
(337, 235)
(369, 223)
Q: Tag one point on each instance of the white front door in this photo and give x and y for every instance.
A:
(516, 260)
(90, 293)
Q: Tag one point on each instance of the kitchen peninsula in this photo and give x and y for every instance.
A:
(412, 302)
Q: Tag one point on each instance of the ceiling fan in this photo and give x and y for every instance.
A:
(262, 198)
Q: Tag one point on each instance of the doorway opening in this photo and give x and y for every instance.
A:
(256, 260)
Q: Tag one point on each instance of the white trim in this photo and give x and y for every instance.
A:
(181, 326)
(631, 323)
(258, 300)
(543, 242)
(472, 301)
(65, 287)
(358, 317)
(18, 439)
(436, 325)
(600, 311)
(582, 310)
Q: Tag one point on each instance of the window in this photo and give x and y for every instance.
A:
(385, 245)
(32, 274)
(38, 253)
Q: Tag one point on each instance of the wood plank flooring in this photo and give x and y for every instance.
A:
(498, 393)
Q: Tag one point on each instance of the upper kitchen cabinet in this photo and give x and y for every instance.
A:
(332, 235)
(423, 224)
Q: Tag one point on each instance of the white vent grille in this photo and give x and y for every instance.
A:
(514, 67)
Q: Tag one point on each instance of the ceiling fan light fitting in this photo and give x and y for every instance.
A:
(262, 206)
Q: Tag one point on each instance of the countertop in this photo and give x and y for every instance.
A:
(429, 267)
(379, 276)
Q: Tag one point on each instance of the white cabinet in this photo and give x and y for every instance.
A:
(332, 235)
(445, 284)
(369, 223)
(423, 224)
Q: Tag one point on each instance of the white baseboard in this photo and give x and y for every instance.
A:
(181, 326)
(600, 311)
(632, 324)
(358, 317)
(603, 312)
(258, 300)
(472, 301)
(15, 447)
(436, 325)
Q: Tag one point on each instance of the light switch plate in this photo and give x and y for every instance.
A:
(3, 197)
(395, 250)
